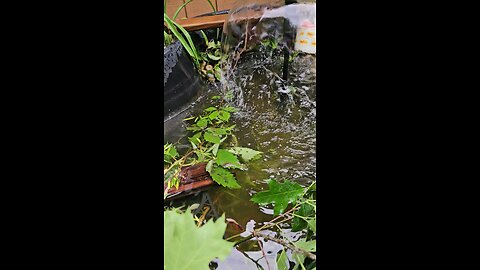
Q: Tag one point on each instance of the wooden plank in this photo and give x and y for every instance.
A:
(193, 24)
(199, 7)
(192, 179)
(172, 6)
(224, 4)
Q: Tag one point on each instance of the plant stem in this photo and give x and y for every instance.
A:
(290, 246)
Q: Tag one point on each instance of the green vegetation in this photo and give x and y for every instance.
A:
(206, 62)
(188, 246)
(183, 232)
(212, 142)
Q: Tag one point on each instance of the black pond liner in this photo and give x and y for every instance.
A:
(180, 80)
(182, 87)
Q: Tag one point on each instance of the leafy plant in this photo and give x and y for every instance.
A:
(187, 246)
(213, 143)
(302, 216)
(206, 62)
(280, 195)
(210, 66)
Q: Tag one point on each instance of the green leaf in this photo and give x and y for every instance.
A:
(282, 261)
(312, 224)
(211, 44)
(298, 222)
(224, 177)
(224, 116)
(228, 160)
(246, 154)
(310, 246)
(280, 195)
(215, 149)
(210, 137)
(204, 243)
(204, 37)
(229, 109)
(219, 131)
(213, 115)
(218, 73)
(195, 138)
(202, 123)
(209, 109)
(208, 168)
(213, 57)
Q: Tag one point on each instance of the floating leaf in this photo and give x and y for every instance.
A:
(224, 177)
(280, 195)
(246, 154)
(228, 160)
(203, 244)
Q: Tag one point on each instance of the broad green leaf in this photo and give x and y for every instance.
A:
(210, 137)
(224, 116)
(219, 131)
(195, 138)
(280, 195)
(298, 222)
(224, 177)
(213, 115)
(282, 261)
(230, 109)
(209, 109)
(312, 224)
(228, 160)
(204, 243)
(246, 154)
(310, 246)
(202, 123)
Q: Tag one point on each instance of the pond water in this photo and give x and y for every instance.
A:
(274, 116)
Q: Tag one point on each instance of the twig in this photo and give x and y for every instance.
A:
(292, 247)
(261, 248)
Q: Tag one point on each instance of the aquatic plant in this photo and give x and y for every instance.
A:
(213, 143)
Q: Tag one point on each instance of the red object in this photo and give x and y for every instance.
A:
(191, 178)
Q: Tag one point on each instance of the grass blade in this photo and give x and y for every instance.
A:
(180, 8)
